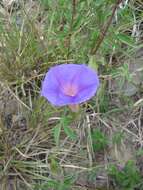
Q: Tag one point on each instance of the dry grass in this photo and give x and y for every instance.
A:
(44, 147)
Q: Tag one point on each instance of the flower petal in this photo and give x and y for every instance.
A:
(58, 78)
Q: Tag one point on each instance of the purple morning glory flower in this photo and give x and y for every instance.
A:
(69, 84)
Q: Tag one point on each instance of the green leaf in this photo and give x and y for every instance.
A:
(126, 39)
(66, 120)
(57, 131)
(54, 166)
(70, 133)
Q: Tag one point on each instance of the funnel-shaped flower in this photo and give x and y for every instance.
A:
(69, 84)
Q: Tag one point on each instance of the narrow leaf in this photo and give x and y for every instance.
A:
(70, 133)
(57, 131)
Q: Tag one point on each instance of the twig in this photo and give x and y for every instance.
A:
(89, 142)
(73, 166)
(71, 26)
(15, 96)
(23, 155)
(105, 28)
(73, 10)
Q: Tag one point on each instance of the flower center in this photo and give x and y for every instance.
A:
(70, 90)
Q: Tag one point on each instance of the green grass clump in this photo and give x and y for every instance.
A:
(99, 140)
(126, 178)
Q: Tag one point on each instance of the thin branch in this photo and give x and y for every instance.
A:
(105, 28)
(73, 11)
(71, 25)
